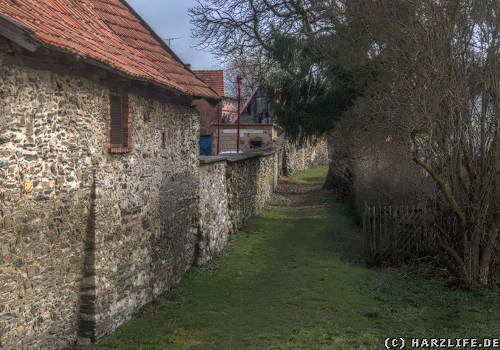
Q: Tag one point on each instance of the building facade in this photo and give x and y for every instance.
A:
(98, 169)
(257, 109)
(252, 137)
(210, 113)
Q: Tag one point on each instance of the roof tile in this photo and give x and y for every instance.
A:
(109, 32)
(213, 78)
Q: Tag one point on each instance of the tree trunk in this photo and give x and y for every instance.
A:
(488, 260)
(479, 261)
(340, 175)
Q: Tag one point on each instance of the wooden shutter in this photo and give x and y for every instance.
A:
(116, 122)
(125, 121)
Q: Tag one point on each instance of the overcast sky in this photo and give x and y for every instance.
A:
(169, 19)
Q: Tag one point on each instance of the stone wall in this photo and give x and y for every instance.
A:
(251, 181)
(215, 223)
(88, 237)
(45, 183)
(308, 155)
(147, 213)
(234, 188)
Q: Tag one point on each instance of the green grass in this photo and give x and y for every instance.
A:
(312, 176)
(293, 278)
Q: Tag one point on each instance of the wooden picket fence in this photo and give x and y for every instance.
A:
(396, 233)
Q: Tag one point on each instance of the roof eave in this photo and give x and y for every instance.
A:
(18, 34)
(212, 100)
(250, 98)
(162, 43)
(25, 38)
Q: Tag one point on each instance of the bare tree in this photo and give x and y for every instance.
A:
(444, 95)
(253, 66)
(227, 27)
(245, 33)
(428, 72)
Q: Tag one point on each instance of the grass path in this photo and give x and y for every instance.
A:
(293, 279)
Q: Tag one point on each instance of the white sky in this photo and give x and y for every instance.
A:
(169, 19)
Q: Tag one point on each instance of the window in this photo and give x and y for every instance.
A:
(256, 142)
(119, 124)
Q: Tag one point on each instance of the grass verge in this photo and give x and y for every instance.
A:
(293, 278)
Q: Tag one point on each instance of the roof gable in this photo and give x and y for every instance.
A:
(213, 78)
(249, 100)
(108, 31)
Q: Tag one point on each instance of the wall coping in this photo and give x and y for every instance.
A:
(233, 158)
(205, 160)
(243, 124)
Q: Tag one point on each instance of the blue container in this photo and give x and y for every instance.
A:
(206, 145)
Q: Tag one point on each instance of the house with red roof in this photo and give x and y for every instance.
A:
(209, 113)
(226, 111)
(258, 108)
(98, 169)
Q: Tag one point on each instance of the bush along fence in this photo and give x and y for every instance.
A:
(393, 234)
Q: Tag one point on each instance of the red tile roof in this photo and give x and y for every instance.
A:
(108, 31)
(213, 78)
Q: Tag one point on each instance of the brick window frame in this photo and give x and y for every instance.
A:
(163, 140)
(119, 116)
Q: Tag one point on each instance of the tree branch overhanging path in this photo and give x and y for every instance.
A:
(423, 72)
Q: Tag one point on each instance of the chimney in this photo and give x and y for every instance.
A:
(188, 66)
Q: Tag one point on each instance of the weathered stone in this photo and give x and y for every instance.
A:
(18, 263)
(145, 224)
(106, 233)
(31, 157)
(234, 188)
(8, 316)
(63, 228)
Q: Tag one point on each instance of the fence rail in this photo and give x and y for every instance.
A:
(397, 233)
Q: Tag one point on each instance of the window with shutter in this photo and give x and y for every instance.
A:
(119, 124)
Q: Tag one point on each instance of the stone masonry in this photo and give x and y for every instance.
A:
(146, 213)
(301, 157)
(234, 188)
(88, 237)
(47, 126)
(215, 223)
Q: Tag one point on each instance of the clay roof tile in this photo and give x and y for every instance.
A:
(108, 31)
(213, 78)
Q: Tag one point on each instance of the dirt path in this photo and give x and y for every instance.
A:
(293, 279)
